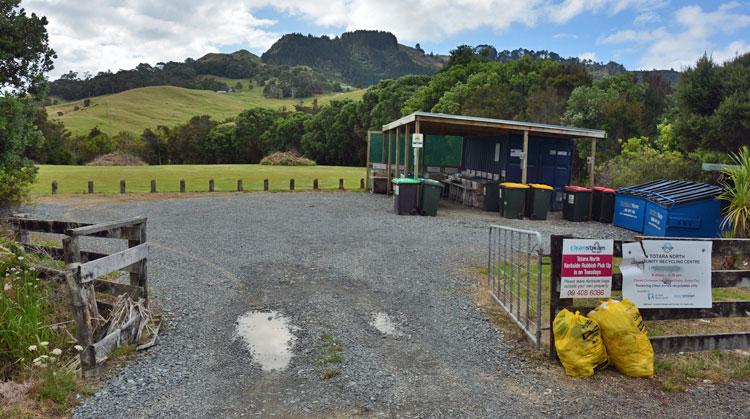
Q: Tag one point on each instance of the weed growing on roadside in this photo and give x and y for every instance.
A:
(330, 354)
(25, 312)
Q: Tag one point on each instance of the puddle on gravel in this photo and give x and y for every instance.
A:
(268, 336)
(384, 324)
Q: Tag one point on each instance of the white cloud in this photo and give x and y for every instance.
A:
(696, 33)
(565, 36)
(731, 51)
(587, 56)
(646, 18)
(569, 9)
(425, 20)
(117, 34)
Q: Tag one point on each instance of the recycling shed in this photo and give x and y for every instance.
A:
(493, 149)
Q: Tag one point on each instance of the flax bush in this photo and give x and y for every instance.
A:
(737, 195)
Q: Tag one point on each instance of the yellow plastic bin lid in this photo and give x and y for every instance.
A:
(513, 185)
(541, 186)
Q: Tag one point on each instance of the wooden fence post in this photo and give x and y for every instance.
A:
(138, 275)
(91, 186)
(291, 185)
(22, 235)
(341, 184)
(315, 184)
(153, 185)
(54, 187)
(362, 184)
(122, 186)
(210, 185)
(84, 302)
(240, 188)
(182, 185)
(265, 185)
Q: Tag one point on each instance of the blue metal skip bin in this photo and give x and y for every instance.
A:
(669, 209)
(686, 212)
(630, 202)
(629, 212)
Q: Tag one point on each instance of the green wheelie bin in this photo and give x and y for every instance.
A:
(432, 190)
(406, 196)
(538, 201)
(512, 199)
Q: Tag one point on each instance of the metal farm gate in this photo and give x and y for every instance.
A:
(514, 276)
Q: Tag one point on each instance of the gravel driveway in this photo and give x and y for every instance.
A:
(329, 262)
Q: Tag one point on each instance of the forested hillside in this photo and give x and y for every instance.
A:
(361, 58)
(278, 82)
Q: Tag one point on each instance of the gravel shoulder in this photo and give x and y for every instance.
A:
(329, 262)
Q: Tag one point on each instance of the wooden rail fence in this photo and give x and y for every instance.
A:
(725, 278)
(90, 188)
(83, 270)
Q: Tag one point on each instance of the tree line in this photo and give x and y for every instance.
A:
(280, 81)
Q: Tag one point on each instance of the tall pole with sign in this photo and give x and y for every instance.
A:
(417, 141)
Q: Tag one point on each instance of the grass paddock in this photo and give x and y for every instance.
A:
(74, 179)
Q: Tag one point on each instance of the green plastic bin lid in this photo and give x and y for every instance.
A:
(432, 182)
(406, 180)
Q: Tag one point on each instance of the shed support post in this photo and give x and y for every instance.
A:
(416, 151)
(525, 161)
(367, 171)
(398, 152)
(388, 165)
(406, 151)
(593, 161)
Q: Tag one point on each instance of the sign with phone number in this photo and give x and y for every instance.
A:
(586, 268)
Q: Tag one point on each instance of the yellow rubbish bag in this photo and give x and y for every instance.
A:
(579, 344)
(625, 337)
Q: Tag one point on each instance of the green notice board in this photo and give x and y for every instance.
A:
(439, 150)
(443, 150)
(376, 147)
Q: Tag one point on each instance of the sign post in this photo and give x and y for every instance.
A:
(586, 268)
(667, 274)
(417, 142)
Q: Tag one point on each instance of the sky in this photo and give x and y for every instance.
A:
(641, 34)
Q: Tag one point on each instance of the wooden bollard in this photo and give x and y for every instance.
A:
(291, 184)
(122, 186)
(91, 186)
(182, 185)
(362, 184)
(153, 185)
(341, 184)
(265, 185)
(315, 184)
(240, 188)
(210, 185)
(54, 187)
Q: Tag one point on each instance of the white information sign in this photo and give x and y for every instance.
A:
(667, 274)
(586, 268)
(417, 140)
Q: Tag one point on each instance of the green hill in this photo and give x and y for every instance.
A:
(147, 107)
(360, 58)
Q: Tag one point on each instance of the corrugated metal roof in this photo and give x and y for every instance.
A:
(498, 123)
